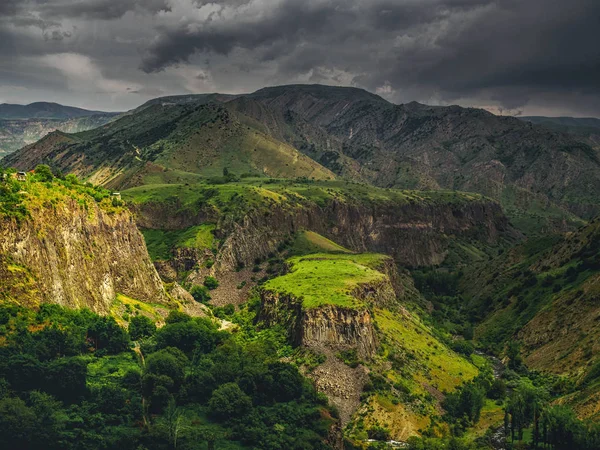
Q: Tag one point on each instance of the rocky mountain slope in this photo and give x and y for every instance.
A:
(73, 245)
(420, 146)
(541, 177)
(545, 293)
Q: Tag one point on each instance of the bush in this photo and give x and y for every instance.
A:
(379, 433)
(211, 283)
(229, 401)
(200, 294)
(463, 347)
(44, 173)
(141, 327)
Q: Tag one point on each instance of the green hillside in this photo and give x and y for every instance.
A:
(202, 139)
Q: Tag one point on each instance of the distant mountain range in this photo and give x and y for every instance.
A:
(582, 127)
(44, 110)
(21, 125)
(543, 178)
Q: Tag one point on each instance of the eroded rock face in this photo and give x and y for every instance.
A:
(413, 234)
(331, 327)
(75, 257)
(339, 329)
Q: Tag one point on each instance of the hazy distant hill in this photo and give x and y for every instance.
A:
(17, 133)
(585, 127)
(43, 110)
(21, 125)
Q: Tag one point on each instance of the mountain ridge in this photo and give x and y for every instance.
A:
(45, 110)
(542, 177)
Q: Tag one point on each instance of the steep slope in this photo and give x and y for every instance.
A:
(419, 146)
(73, 245)
(237, 231)
(197, 138)
(17, 133)
(545, 294)
(351, 310)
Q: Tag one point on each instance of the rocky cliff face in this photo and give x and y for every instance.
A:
(333, 326)
(330, 327)
(414, 235)
(76, 255)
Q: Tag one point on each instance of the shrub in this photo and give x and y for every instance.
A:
(44, 173)
(141, 327)
(211, 282)
(229, 401)
(379, 433)
(200, 294)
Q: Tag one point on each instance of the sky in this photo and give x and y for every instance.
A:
(530, 57)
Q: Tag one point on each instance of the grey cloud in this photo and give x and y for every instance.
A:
(288, 21)
(446, 48)
(509, 54)
(99, 9)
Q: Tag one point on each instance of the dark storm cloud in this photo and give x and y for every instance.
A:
(241, 24)
(507, 54)
(87, 9)
(99, 9)
(443, 48)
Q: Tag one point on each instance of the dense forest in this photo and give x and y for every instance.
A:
(75, 380)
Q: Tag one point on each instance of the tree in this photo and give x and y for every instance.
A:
(44, 173)
(515, 360)
(172, 420)
(107, 336)
(211, 283)
(177, 317)
(559, 424)
(141, 327)
(200, 294)
(169, 362)
(194, 334)
(229, 401)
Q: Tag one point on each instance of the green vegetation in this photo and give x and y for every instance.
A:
(161, 243)
(307, 242)
(328, 279)
(533, 215)
(21, 194)
(69, 380)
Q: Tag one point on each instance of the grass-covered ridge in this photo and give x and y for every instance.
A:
(328, 279)
(241, 197)
(39, 189)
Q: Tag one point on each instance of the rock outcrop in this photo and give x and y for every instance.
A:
(76, 255)
(414, 234)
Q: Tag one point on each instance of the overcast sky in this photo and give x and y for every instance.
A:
(509, 56)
